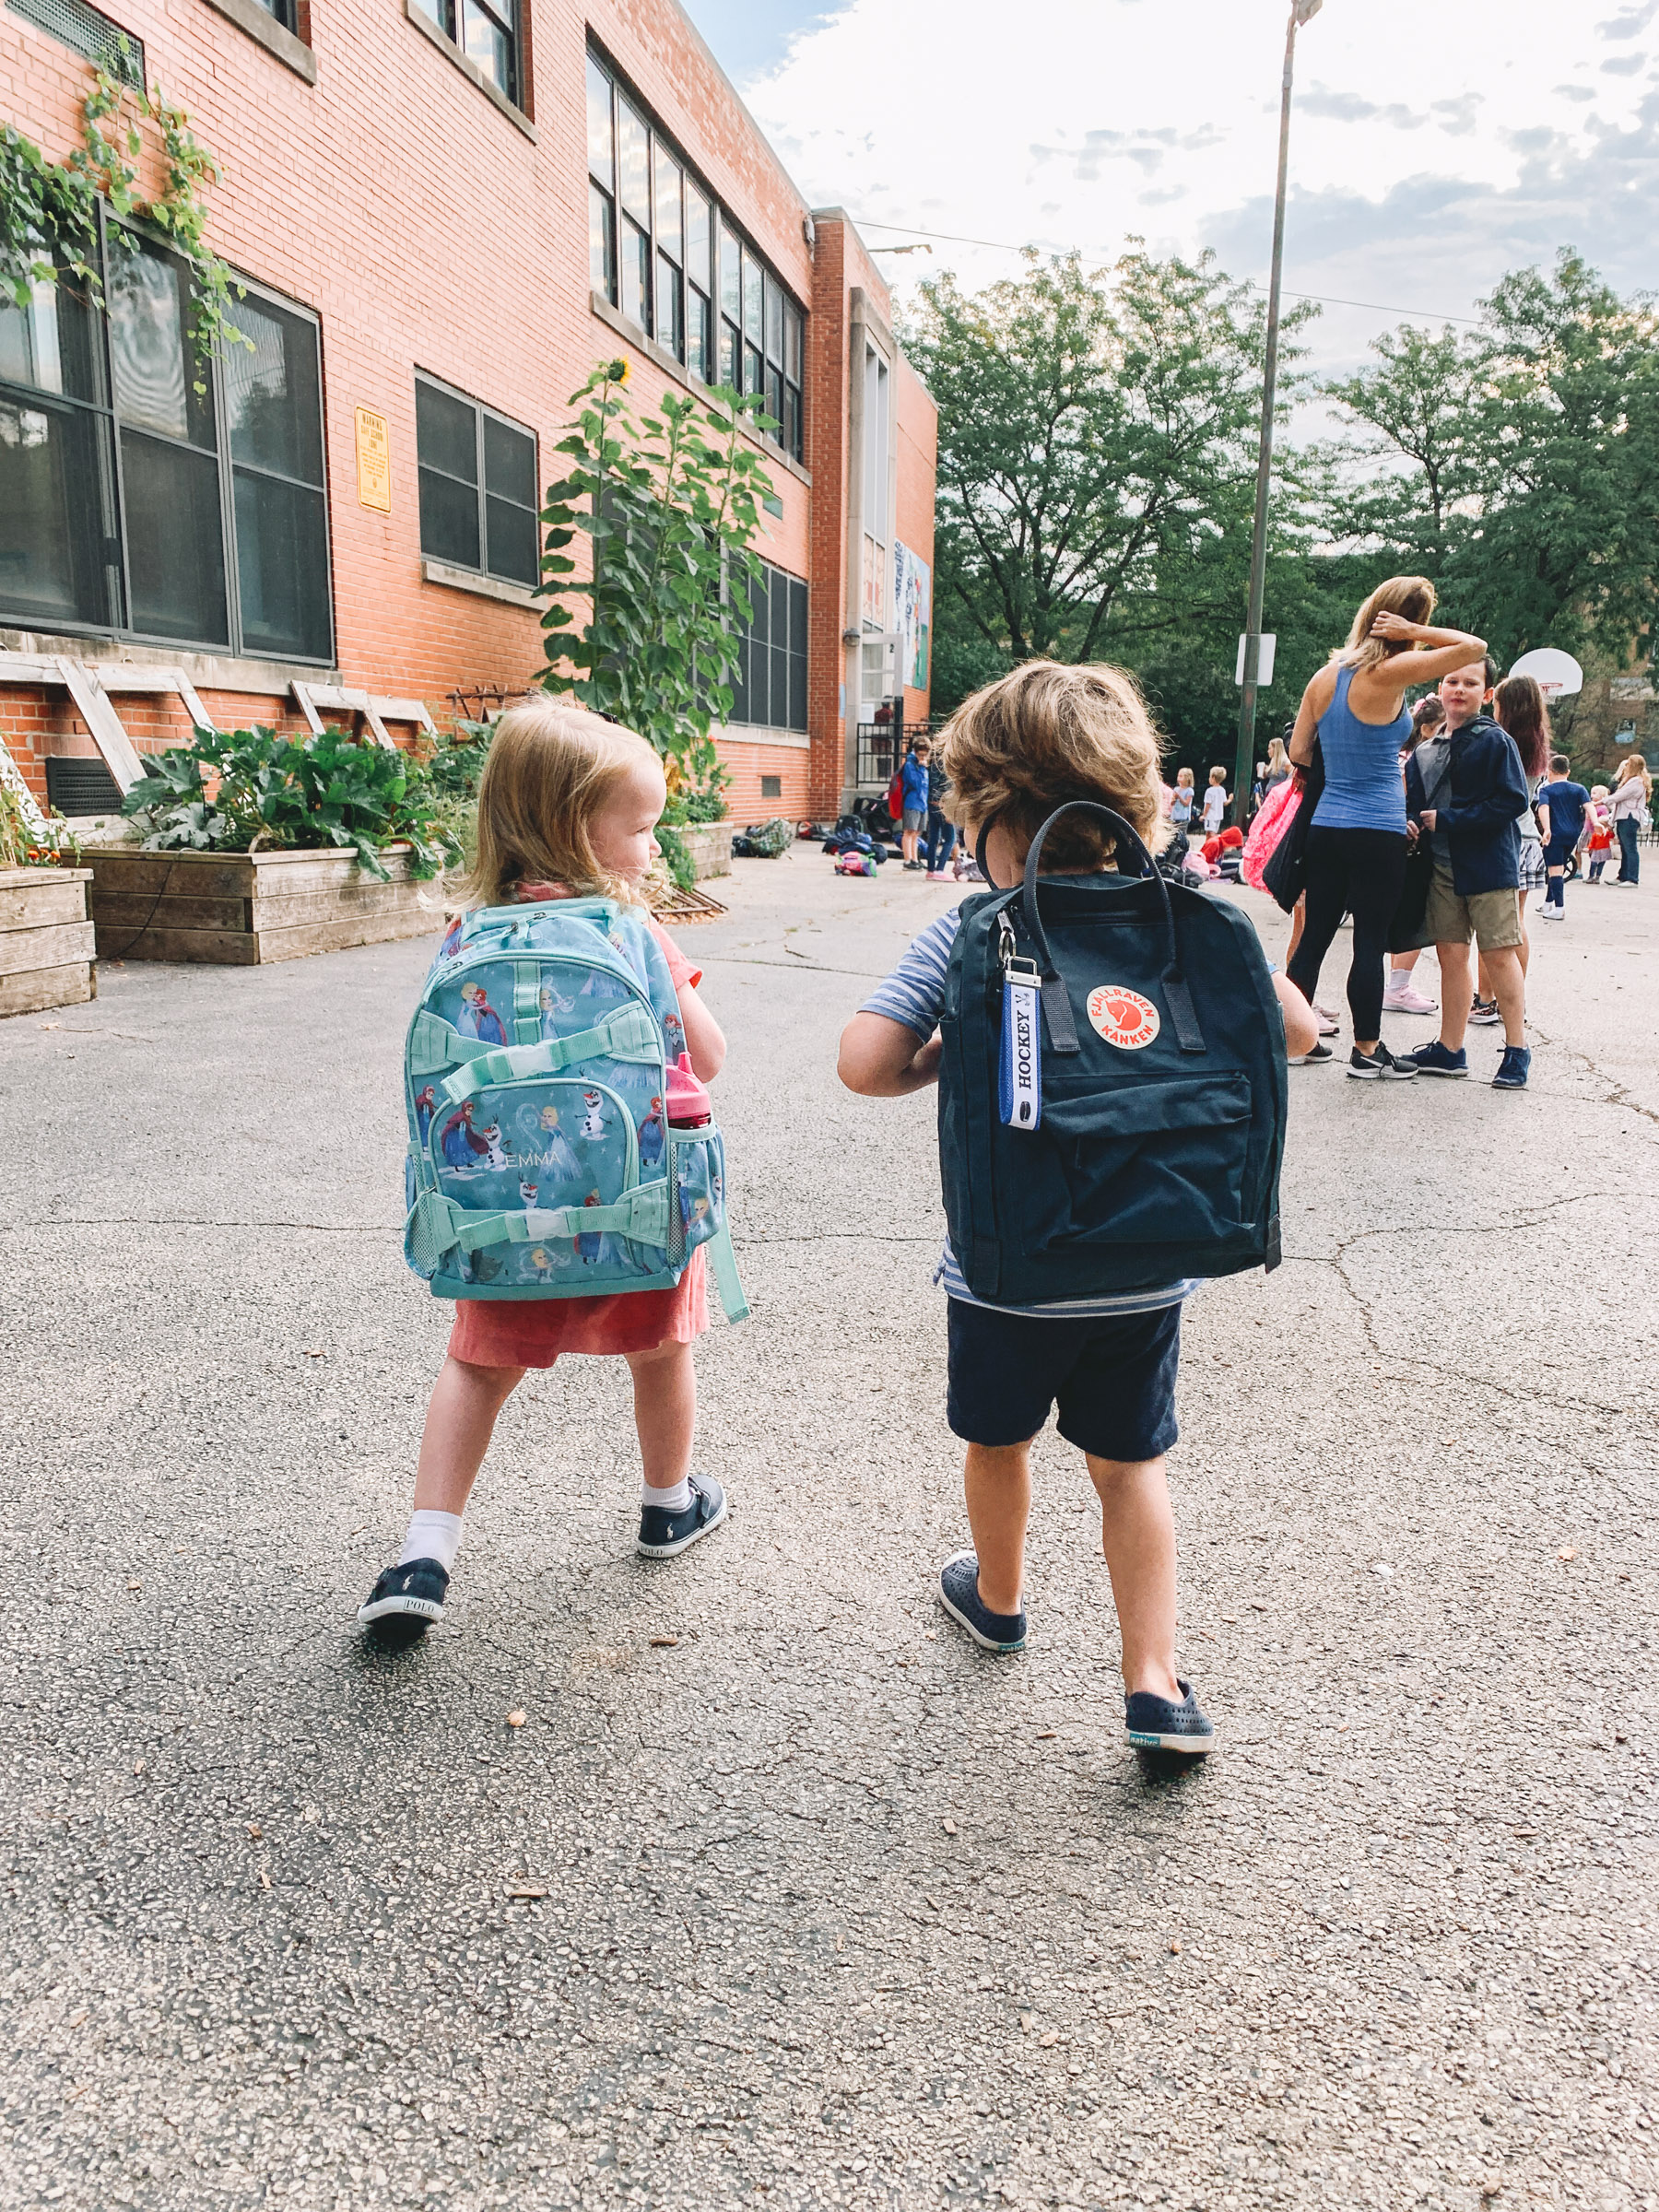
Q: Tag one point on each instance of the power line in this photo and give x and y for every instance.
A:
(998, 245)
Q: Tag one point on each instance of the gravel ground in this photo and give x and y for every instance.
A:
(782, 1894)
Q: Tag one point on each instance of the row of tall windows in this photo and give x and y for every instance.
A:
(663, 252)
(770, 687)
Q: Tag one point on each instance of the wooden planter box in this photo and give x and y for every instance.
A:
(244, 908)
(709, 845)
(45, 939)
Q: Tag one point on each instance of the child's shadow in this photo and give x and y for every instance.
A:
(1166, 1771)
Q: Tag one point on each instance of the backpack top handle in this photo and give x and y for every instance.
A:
(1056, 1006)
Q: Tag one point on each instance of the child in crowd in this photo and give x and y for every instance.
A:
(1014, 752)
(1562, 808)
(1214, 803)
(1183, 800)
(566, 809)
(913, 799)
(1599, 826)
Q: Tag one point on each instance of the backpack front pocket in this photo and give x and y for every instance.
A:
(1144, 1163)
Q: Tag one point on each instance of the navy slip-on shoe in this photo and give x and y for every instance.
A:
(405, 1600)
(664, 1535)
(958, 1594)
(1152, 1723)
(1514, 1068)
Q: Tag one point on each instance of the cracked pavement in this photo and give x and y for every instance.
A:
(782, 1894)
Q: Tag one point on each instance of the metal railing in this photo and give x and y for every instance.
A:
(882, 748)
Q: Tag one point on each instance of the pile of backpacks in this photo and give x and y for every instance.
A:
(764, 841)
(855, 850)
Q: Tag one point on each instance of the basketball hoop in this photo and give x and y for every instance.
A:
(1557, 674)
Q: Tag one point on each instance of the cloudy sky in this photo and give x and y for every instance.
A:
(1435, 144)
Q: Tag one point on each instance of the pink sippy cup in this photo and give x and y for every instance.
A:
(689, 1105)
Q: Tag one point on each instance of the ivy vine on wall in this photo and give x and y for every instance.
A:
(49, 210)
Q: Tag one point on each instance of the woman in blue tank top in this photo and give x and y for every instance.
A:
(1356, 707)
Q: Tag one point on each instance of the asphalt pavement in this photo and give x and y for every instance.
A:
(781, 1894)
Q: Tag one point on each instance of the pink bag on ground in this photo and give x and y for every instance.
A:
(1271, 823)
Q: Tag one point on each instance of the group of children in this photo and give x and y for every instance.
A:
(568, 807)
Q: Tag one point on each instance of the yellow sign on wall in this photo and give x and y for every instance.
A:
(373, 460)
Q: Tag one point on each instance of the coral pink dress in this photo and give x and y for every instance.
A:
(534, 1332)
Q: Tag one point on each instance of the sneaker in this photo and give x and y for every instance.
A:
(1379, 1065)
(1484, 1013)
(1550, 912)
(1406, 1000)
(1315, 1056)
(1328, 1024)
(1437, 1059)
(1152, 1723)
(1514, 1068)
(958, 1594)
(664, 1535)
(405, 1601)
(938, 875)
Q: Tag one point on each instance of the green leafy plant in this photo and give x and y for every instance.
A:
(647, 627)
(48, 210)
(238, 791)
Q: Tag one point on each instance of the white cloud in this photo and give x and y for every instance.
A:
(1421, 167)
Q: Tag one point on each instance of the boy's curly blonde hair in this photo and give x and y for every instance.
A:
(1046, 733)
(551, 768)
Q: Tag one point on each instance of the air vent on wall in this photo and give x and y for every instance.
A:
(116, 51)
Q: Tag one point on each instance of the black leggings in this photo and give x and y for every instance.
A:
(1357, 871)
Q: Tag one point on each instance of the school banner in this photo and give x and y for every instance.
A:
(912, 613)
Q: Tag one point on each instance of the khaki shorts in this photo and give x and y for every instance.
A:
(1491, 918)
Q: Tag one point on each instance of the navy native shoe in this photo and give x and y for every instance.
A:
(405, 1601)
(958, 1594)
(1152, 1723)
(1514, 1068)
(664, 1535)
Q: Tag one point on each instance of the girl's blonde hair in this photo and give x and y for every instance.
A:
(1410, 597)
(550, 770)
(1276, 755)
(1044, 734)
(1634, 765)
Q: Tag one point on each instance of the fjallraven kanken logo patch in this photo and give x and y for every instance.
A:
(1123, 1017)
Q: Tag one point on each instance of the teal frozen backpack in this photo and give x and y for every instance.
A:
(542, 1161)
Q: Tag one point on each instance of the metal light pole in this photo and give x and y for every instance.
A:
(1301, 11)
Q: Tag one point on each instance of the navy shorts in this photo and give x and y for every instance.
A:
(1113, 1377)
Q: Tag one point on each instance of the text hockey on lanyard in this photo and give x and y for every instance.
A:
(1019, 1065)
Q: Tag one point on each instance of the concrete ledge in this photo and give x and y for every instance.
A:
(208, 671)
(264, 28)
(469, 67)
(661, 358)
(486, 587)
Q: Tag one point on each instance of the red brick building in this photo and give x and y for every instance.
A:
(446, 212)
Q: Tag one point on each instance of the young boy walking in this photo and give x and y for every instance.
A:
(1562, 805)
(1017, 749)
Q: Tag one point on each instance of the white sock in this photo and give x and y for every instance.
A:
(674, 1500)
(432, 1537)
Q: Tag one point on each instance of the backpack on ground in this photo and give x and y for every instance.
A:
(1113, 1089)
(542, 1162)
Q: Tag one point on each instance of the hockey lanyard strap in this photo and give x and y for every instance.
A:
(1019, 1066)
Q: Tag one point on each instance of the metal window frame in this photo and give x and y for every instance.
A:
(759, 630)
(508, 16)
(113, 476)
(482, 410)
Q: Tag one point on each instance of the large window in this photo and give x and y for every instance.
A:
(131, 500)
(674, 264)
(487, 32)
(477, 485)
(770, 687)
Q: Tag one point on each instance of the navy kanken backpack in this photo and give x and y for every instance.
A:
(1112, 1090)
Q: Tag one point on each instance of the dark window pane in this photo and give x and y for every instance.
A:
(791, 433)
(484, 40)
(53, 554)
(667, 205)
(774, 322)
(175, 540)
(636, 275)
(511, 534)
(731, 276)
(439, 12)
(797, 618)
(729, 359)
(668, 306)
(700, 336)
(740, 682)
(797, 692)
(774, 399)
(751, 297)
(449, 520)
(155, 367)
(779, 717)
(446, 432)
(271, 392)
(601, 244)
(752, 371)
(282, 567)
(792, 342)
(51, 343)
(509, 462)
(602, 161)
(697, 236)
(633, 148)
(778, 595)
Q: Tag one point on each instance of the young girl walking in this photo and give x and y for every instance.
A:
(566, 809)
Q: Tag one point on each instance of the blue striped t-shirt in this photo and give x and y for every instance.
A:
(914, 994)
